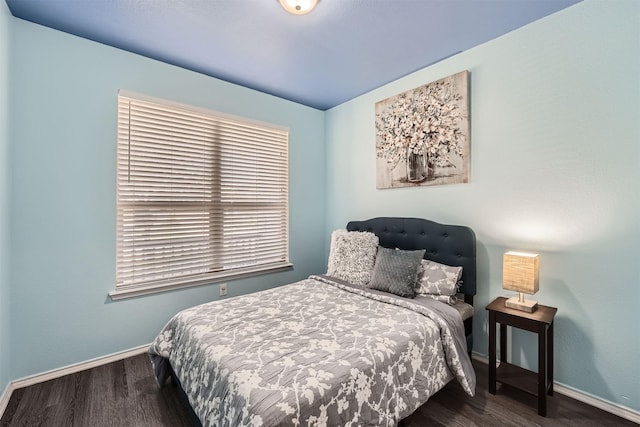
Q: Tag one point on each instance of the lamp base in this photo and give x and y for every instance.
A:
(525, 305)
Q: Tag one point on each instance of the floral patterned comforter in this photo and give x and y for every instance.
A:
(318, 352)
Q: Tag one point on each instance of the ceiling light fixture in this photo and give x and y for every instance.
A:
(298, 7)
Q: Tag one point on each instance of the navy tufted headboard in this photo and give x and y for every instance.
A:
(447, 244)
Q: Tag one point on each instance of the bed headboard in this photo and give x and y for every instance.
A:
(447, 244)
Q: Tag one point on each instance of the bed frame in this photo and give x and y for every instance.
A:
(447, 244)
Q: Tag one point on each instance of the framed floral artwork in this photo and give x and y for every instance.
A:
(422, 135)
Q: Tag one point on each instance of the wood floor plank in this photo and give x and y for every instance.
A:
(60, 409)
(125, 393)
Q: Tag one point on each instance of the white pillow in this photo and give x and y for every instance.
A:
(438, 279)
(352, 256)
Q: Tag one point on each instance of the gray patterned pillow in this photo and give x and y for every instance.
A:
(396, 271)
(438, 279)
(352, 256)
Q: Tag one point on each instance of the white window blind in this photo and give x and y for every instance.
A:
(200, 196)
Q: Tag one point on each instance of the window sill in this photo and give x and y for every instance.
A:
(132, 291)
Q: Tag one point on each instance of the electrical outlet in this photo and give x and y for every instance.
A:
(223, 289)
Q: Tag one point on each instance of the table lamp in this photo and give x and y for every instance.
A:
(520, 273)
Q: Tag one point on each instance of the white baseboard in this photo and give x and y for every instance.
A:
(60, 372)
(605, 405)
(4, 398)
(581, 396)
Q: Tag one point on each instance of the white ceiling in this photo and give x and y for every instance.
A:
(340, 50)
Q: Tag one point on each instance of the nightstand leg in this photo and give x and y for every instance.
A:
(542, 370)
(503, 343)
(550, 358)
(492, 352)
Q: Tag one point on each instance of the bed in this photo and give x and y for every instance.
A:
(327, 350)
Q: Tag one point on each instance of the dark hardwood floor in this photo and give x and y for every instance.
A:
(124, 393)
(451, 406)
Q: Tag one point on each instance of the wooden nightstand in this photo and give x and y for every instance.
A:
(541, 322)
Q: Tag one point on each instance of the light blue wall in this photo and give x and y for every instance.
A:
(554, 169)
(62, 153)
(5, 37)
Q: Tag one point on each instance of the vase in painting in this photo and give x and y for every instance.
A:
(417, 164)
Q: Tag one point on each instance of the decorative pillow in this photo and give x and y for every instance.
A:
(438, 279)
(396, 271)
(352, 256)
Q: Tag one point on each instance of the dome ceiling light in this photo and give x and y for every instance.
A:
(298, 7)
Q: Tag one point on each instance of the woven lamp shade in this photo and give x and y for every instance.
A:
(520, 272)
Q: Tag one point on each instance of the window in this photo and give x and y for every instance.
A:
(200, 196)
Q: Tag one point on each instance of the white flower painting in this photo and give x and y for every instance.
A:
(422, 135)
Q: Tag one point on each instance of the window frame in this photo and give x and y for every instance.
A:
(223, 203)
